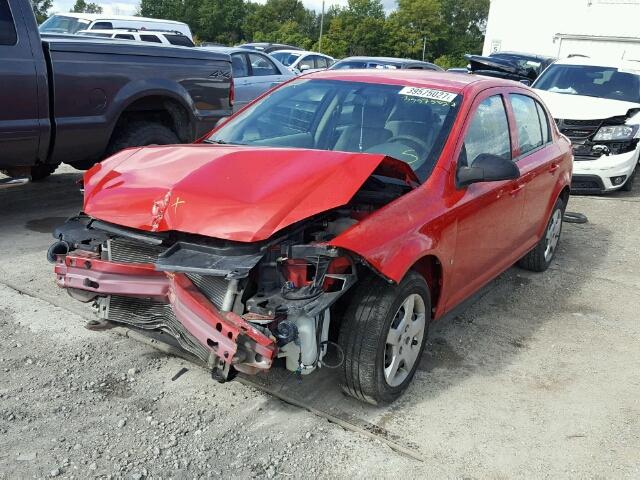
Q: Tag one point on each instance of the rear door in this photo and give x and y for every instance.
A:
(20, 123)
(489, 214)
(263, 74)
(538, 159)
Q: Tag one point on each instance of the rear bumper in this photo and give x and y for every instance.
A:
(227, 337)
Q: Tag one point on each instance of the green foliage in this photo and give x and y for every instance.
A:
(445, 29)
(41, 9)
(83, 7)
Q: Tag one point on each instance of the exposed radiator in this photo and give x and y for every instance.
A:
(147, 314)
(214, 288)
(123, 250)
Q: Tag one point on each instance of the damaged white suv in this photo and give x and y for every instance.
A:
(597, 105)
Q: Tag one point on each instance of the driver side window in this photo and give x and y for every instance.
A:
(488, 132)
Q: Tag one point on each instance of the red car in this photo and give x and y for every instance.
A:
(340, 213)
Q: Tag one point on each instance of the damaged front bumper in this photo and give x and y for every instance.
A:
(170, 302)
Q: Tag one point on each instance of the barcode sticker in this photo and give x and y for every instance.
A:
(437, 95)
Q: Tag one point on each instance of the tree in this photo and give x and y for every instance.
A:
(40, 9)
(83, 7)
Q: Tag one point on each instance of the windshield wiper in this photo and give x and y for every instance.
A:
(221, 142)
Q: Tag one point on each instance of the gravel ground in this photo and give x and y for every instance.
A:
(539, 378)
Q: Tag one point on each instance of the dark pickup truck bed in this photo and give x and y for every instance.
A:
(77, 99)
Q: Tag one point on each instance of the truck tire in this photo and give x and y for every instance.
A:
(376, 327)
(135, 134)
(539, 259)
(37, 172)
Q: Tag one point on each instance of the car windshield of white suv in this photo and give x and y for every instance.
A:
(62, 24)
(286, 58)
(591, 81)
(407, 123)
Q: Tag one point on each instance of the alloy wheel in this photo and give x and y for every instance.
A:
(404, 339)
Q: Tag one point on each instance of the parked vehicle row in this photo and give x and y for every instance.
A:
(79, 100)
(151, 36)
(72, 23)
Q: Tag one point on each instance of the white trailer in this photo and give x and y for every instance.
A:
(560, 28)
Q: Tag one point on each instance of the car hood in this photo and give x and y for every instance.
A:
(230, 192)
(579, 107)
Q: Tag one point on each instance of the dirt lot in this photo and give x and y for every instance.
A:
(540, 378)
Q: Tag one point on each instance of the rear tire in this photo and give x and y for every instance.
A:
(37, 172)
(383, 334)
(135, 134)
(539, 259)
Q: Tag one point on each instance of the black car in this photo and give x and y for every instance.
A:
(268, 47)
(521, 67)
(382, 63)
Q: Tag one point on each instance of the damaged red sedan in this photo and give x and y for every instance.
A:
(341, 213)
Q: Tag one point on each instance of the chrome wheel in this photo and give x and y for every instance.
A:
(553, 234)
(404, 340)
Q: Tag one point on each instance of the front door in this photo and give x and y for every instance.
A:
(489, 214)
(19, 113)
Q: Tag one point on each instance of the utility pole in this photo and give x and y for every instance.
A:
(321, 25)
(424, 46)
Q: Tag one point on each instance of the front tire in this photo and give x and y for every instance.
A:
(628, 185)
(539, 259)
(383, 334)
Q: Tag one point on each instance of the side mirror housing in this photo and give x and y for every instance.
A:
(487, 168)
(304, 67)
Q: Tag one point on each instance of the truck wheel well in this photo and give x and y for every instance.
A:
(431, 269)
(163, 110)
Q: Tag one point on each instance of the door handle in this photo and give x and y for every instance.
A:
(554, 167)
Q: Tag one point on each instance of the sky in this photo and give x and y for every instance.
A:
(128, 7)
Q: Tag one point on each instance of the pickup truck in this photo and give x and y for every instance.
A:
(78, 100)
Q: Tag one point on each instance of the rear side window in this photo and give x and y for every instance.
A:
(528, 125)
(125, 36)
(261, 66)
(150, 38)
(239, 66)
(180, 40)
(488, 132)
(8, 34)
(102, 26)
(544, 124)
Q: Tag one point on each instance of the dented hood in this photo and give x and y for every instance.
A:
(579, 107)
(230, 192)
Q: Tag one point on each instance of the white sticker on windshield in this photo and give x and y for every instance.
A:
(438, 95)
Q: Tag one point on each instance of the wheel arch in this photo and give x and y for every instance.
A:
(430, 268)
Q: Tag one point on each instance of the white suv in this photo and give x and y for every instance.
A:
(163, 37)
(597, 105)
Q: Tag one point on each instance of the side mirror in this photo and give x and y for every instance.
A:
(487, 168)
(304, 67)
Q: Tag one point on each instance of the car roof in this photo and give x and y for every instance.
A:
(451, 82)
(302, 52)
(384, 59)
(129, 30)
(230, 50)
(99, 16)
(633, 65)
(522, 55)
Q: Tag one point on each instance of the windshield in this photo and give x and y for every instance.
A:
(286, 58)
(407, 123)
(591, 81)
(62, 24)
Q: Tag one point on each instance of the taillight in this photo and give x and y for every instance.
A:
(232, 93)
